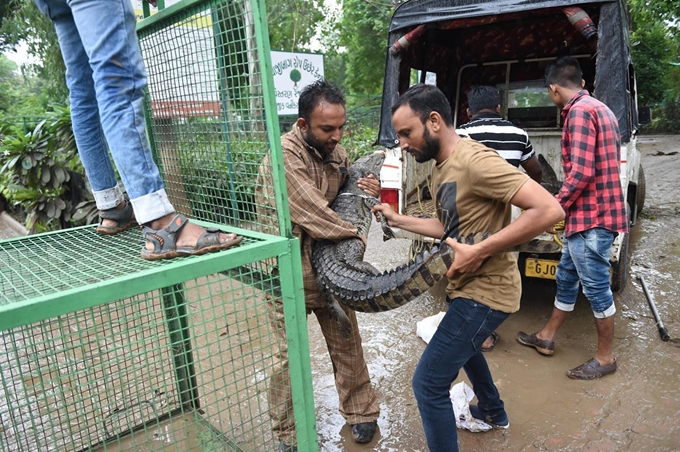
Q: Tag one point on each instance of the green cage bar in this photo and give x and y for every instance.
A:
(104, 351)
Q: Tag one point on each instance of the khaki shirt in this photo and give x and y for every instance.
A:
(313, 182)
(473, 189)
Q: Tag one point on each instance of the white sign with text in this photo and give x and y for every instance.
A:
(292, 72)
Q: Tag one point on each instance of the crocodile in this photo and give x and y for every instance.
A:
(343, 276)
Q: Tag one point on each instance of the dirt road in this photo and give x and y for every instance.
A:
(637, 409)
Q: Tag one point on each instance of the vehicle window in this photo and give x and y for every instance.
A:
(527, 95)
(529, 105)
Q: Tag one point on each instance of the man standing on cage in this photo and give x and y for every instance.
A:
(316, 167)
(105, 76)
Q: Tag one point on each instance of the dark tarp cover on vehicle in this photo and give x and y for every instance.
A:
(613, 76)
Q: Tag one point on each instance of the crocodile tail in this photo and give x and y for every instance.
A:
(391, 289)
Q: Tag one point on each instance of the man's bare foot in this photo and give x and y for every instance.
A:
(189, 234)
(490, 342)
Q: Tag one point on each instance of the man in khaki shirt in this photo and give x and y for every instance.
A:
(316, 166)
(474, 188)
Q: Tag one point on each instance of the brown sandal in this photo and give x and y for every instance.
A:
(590, 370)
(165, 245)
(542, 346)
(494, 335)
(124, 218)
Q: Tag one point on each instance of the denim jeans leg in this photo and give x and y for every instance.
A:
(567, 278)
(87, 130)
(458, 340)
(488, 397)
(592, 263)
(109, 38)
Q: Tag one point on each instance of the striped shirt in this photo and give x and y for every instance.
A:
(510, 141)
(592, 195)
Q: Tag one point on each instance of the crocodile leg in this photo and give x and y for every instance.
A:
(338, 314)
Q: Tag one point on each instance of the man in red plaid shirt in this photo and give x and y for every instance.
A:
(592, 198)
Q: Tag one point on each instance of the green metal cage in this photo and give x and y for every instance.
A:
(102, 350)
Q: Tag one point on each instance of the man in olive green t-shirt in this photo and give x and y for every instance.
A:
(474, 189)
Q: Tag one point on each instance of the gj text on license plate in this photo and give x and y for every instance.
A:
(540, 268)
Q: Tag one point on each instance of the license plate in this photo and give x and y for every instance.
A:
(540, 268)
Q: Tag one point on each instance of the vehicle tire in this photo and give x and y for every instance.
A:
(620, 268)
(641, 192)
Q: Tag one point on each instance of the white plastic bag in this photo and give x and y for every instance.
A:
(425, 328)
(461, 394)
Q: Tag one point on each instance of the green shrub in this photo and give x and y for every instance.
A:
(665, 118)
(40, 170)
(359, 139)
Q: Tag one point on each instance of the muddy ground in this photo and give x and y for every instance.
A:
(636, 409)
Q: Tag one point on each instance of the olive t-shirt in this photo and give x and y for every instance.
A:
(473, 189)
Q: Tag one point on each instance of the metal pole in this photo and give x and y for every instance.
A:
(662, 329)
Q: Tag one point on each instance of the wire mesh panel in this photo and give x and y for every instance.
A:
(206, 104)
(180, 368)
(102, 350)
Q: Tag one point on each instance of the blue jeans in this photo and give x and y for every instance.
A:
(105, 76)
(585, 260)
(456, 343)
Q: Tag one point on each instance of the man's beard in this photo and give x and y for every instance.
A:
(430, 149)
(317, 144)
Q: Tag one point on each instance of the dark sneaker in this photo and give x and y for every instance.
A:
(497, 421)
(364, 432)
(283, 447)
(544, 347)
(590, 370)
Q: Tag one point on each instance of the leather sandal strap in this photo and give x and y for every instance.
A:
(120, 215)
(210, 237)
(164, 240)
(176, 224)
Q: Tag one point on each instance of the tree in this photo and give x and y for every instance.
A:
(20, 94)
(651, 52)
(655, 46)
(23, 21)
(7, 83)
(293, 23)
(363, 33)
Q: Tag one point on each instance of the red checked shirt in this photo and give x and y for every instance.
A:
(591, 195)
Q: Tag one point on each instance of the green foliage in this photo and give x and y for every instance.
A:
(20, 95)
(335, 69)
(23, 22)
(665, 118)
(656, 10)
(363, 32)
(363, 120)
(293, 23)
(39, 170)
(220, 186)
(650, 52)
(655, 44)
(358, 139)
